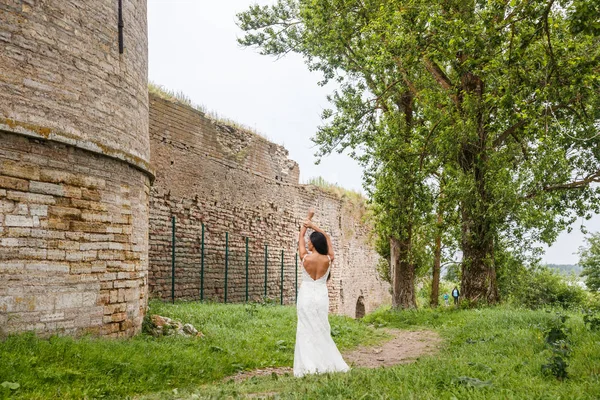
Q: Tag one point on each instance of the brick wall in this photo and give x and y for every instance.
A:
(240, 183)
(74, 167)
(73, 240)
(62, 77)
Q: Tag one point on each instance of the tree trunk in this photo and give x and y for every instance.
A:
(403, 274)
(478, 281)
(437, 258)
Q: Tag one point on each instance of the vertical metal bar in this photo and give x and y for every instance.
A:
(246, 269)
(120, 26)
(173, 259)
(296, 276)
(281, 296)
(226, 261)
(202, 267)
(266, 260)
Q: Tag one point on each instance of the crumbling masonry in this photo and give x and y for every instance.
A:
(84, 227)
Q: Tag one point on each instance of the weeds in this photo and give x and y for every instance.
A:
(557, 339)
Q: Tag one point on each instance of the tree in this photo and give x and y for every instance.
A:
(501, 95)
(589, 260)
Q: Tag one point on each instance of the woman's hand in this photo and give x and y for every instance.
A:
(309, 224)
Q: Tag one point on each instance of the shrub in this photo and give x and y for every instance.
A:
(542, 287)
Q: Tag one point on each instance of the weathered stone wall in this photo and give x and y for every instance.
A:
(73, 240)
(74, 167)
(240, 183)
(62, 77)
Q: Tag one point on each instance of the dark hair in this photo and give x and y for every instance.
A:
(319, 242)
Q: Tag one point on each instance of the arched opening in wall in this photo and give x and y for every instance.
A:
(360, 307)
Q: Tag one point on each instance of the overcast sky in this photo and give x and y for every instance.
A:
(193, 49)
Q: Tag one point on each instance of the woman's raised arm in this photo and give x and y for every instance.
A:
(314, 227)
(301, 244)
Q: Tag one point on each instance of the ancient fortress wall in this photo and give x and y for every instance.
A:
(74, 167)
(79, 220)
(238, 182)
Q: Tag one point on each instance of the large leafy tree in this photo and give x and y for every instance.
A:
(502, 96)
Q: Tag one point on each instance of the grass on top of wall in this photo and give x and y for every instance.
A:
(237, 337)
(336, 190)
(180, 97)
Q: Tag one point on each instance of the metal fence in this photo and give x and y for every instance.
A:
(243, 258)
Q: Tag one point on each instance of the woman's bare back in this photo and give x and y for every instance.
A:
(316, 265)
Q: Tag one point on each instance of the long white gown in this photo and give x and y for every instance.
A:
(315, 350)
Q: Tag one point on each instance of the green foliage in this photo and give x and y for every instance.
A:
(557, 339)
(540, 287)
(592, 320)
(589, 260)
(487, 354)
(566, 269)
(493, 104)
(237, 337)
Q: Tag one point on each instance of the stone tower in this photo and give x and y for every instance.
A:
(74, 166)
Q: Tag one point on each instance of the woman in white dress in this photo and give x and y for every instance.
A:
(315, 350)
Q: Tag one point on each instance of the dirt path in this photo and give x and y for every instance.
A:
(404, 347)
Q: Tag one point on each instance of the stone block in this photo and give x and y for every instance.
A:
(115, 308)
(21, 209)
(32, 253)
(89, 299)
(58, 316)
(69, 300)
(18, 221)
(44, 302)
(6, 304)
(59, 224)
(80, 269)
(81, 256)
(114, 296)
(11, 267)
(62, 268)
(118, 317)
(46, 188)
(54, 254)
(131, 295)
(98, 266)
(64, 212)
(14, 183)
(19, 170)
(88, 227)
(28, 197)
(126, 284)
(10, 242)
(126, 325)
(103, 298)
(6, 206)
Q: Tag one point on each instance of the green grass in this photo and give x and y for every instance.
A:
(237, 337)
(491, 353)
(336, 190)
(494, 353)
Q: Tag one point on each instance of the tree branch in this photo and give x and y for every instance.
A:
(440, 78)
(510, 131)
(594, 177)
(438, 74)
